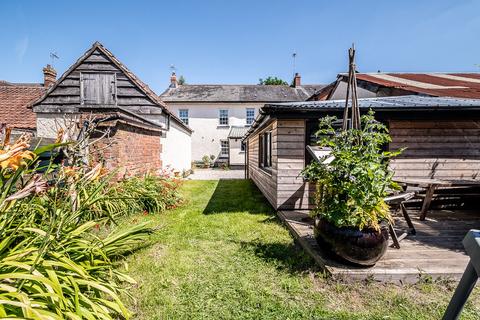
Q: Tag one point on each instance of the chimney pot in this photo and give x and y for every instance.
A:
(296, 80)
(173, 80)
(49, 76)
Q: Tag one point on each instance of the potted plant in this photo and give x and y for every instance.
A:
(206, 161)
(351, 216)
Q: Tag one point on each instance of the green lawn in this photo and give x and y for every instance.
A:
(224, 255)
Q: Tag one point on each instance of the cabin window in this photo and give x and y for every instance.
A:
(223, 117)
(98, 88)
(250, 115)
(183, 115)
(223, 148)
(265, 150)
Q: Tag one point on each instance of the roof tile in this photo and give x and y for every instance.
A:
(238, 93)
(14, 102)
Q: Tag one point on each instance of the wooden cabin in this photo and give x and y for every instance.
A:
(441, 137)
(148, 137)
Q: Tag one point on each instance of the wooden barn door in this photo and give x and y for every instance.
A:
(98, 88)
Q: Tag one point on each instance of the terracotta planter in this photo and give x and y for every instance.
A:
(358, 247)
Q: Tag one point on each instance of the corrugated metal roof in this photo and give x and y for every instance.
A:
(237, 132)
(238, 93)
(461, 85)
(383, 103)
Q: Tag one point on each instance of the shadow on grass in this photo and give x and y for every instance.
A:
(237, 196)
(284, 256)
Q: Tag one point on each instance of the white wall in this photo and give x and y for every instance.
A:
(177, 148)
(48, 124)
(203, 119)
(237, 156)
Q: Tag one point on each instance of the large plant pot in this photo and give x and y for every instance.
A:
(358, 247)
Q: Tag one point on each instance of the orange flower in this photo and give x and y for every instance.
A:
(70, 171)
(15, 155)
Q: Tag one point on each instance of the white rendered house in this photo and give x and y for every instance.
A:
(220, 114)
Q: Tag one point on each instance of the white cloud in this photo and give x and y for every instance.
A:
(21, 48)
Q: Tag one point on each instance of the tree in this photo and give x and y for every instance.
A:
(181, 80)
(272, 81)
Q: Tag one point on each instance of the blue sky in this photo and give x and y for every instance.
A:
(241, 41)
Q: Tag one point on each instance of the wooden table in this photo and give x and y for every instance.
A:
(431, 185)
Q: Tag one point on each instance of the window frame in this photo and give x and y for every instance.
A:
(224, 117)
(222, 154)
(252, 117)
(265, 151)
(183, 118)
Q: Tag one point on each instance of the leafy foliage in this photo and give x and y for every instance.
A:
(150, 194)
(181, 80)
(351, 189)
(272, 81)
(54, 262)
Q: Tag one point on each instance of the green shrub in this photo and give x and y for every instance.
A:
(351, 189)
(53, 262)
(150, 194)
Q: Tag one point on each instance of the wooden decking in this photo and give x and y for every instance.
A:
(436, 250)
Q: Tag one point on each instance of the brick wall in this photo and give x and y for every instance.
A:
(130, 149)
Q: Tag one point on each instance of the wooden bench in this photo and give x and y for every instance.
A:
(396, 202)
(431, 185)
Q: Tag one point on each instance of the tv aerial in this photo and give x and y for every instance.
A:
(53, 56)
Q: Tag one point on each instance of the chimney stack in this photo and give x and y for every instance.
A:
(49, 76)
(296, 80)
(173, 80)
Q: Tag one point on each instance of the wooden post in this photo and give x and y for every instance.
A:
(428, 199)
(351, 94)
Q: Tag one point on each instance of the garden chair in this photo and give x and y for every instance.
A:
(396, 202)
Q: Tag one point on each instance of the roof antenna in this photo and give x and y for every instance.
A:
(294, 56)
(173, 68)
(53, 56)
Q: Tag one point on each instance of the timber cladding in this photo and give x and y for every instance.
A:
(97, 81)
(448, 149)
(283, 187)
(265, 181)
(289, 145)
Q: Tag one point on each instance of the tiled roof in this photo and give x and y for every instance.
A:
(14, 101)
(460, 85)
(237, 132)
(238, 93)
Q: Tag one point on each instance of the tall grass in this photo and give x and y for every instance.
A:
(53, 262)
